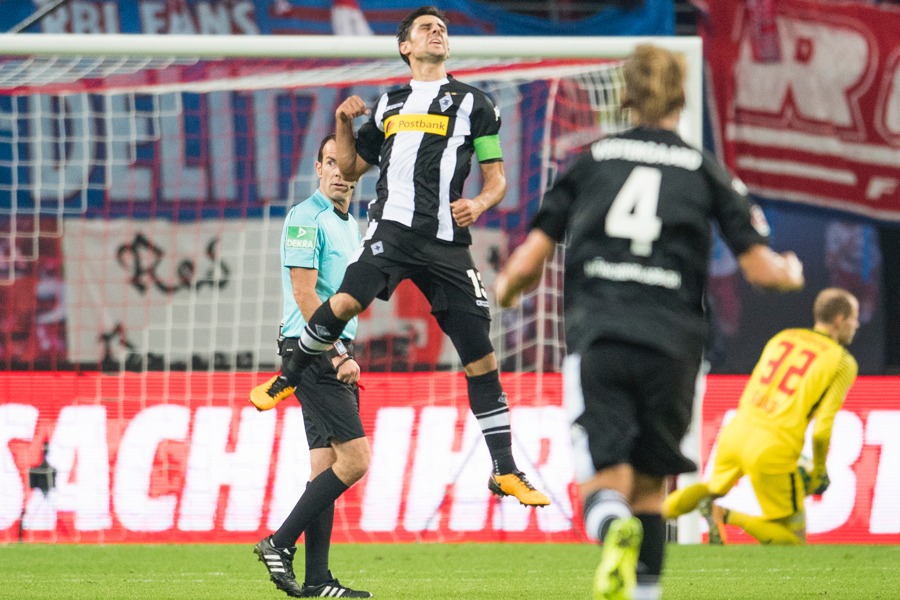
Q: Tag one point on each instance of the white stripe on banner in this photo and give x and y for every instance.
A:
(796, 169)
(814, 144)
(573, 401)
(825, 202)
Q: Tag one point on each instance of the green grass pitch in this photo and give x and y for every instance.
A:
(444, 571)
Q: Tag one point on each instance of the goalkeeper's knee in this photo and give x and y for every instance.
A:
(789, 531)
(796, 523)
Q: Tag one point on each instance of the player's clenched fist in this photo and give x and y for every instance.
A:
(351, 108)
(465, 212)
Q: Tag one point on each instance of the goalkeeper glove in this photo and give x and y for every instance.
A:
(818, 482)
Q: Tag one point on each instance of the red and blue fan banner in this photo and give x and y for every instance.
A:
(806, 100)
(183, 457)
(325, 17)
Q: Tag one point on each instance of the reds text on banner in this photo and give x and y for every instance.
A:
(137, 284)
(807, 99)
(183, 457)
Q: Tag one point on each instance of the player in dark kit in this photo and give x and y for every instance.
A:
(635, 212)
(423, 137)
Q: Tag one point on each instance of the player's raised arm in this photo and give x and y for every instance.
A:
(351, 165)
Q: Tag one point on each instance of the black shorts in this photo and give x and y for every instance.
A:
(330, 406)
(636, 407)
(443, 271)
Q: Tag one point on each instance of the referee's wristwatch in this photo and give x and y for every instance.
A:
(339, 349)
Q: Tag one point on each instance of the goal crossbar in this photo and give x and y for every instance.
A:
(378, 46)
(325, 46)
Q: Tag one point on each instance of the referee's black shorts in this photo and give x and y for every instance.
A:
(636, 407)
(444, 272)
(330, 406)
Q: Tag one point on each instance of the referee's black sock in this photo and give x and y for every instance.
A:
(490, 407)
(321, 332)
(317, 542)
(320, 493)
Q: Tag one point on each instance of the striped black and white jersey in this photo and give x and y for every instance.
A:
(423, 136)
(636, 212)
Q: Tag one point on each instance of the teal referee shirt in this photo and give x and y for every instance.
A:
(316, 236)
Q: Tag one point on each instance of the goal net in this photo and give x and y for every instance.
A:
(173, 169)
(145, 180)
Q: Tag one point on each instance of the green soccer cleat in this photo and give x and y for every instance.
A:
(616, 576)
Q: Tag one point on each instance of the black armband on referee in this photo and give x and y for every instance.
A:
(339, 349)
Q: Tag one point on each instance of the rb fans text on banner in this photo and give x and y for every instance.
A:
(323, 17)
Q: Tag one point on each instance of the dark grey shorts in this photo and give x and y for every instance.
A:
(637, 406)
(444, 272)
(330, 407)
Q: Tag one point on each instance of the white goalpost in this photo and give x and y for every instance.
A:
(147, 176)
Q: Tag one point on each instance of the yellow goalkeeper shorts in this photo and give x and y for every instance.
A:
(766, 461)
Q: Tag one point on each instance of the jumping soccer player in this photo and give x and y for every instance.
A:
(423, 136)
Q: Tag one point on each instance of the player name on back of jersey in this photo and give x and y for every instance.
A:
(658, 276)
(647, 152)
(820, 342)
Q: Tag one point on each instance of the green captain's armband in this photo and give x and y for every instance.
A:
(488, 148)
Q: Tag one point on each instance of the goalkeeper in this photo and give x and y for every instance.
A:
(803, 374)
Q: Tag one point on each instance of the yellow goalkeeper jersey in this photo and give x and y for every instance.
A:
(802, 374)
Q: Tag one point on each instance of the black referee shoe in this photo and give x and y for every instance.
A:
(331, 589)
(280, 564)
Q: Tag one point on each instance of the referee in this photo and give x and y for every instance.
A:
(317, 240)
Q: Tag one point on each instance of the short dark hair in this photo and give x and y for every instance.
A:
(325, 140)
(406, 24)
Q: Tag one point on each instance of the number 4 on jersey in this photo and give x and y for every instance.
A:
(633, 212)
